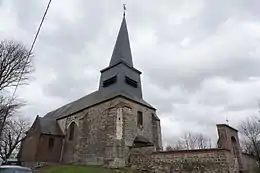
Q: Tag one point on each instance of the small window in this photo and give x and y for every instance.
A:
(110, 81)
(131, 82)
(51, 142)
(139, 118)
(71, 131)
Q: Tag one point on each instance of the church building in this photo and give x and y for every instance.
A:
(103, 127)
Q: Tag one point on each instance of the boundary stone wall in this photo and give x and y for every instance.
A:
(186, 161)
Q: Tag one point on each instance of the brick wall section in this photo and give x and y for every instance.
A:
(44, 153)
(28, 153)
(35, 147)
(28, 148)
(203, 161)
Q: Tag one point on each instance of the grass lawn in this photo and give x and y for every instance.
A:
(77, 169)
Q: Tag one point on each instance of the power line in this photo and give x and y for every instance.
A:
(31, 48)
(19, 80)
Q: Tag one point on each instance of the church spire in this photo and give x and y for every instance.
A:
(122, 50)
(120, 77)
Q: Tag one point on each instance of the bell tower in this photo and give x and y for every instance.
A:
(228, 139)
(120, 77)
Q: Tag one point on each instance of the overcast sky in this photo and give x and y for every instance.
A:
(200, 59)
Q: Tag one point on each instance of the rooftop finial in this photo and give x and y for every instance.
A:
(124, 7)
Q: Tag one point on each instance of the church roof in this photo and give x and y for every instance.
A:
(88, 101)
(49, 126)
(122, 50)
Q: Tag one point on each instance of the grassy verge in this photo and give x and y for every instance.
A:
(78, 169)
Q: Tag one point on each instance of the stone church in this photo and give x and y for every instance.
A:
(103, 127)
(115, 127)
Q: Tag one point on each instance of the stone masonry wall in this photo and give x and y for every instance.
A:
(94, 137)
(203, 161)
(157, 138)
(228, 139)
(105, 133)
(130, 128)
(143, 150)
(127, 130)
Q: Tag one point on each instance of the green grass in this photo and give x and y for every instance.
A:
(78, 169)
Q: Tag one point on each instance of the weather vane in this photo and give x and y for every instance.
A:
(124, 7)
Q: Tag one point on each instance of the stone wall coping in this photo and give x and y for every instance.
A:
(209, 150)
(225, 125)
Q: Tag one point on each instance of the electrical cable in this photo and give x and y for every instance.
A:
(27, 58)
(31, 48)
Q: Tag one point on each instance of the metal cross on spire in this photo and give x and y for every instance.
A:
(227, 120)
(124, 7)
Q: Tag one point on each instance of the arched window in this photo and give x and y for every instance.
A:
(71, 131)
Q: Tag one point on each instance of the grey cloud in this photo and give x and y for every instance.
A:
(230, 94)
(28, 13)
(70, 87)
(235, 61)
(193, 86)
(238, 65)
(164, 99)
(173, 129)
(216, 100)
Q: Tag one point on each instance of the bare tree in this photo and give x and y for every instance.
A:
(15, 64)
(13, 133)
(203, 141)
(8, 109)
(190, 141)
(15, 67)
(250, 129)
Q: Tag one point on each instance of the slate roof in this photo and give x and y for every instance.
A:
(88, 101)
(122, 49)
(49, 126)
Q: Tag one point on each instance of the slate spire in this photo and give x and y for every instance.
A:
(120, 77)
(122, 50)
